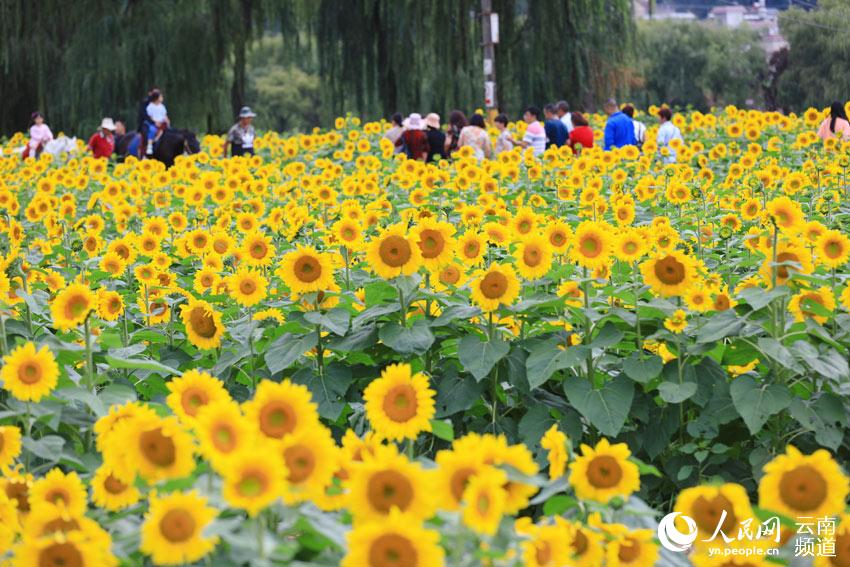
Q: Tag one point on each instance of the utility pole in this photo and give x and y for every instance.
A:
(490, 33)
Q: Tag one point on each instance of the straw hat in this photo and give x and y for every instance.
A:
(108, 124)
(433, 120)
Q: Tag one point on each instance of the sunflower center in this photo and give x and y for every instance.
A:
(307, 269)
(202, 322)
(532, 256)
(389, 488)
(277, 419)
(300, 462)
(19, 492)
(392, 550)
(247, 287)
(670, 271)
(60, 525)
(193, 399)
(224, 438)
(783, 271)
(803, 488)
(157, 448)
(58, 496)
(252, 484)
(114, 486)
(494, 285)
(604, 472)
(450, 275)
(630, 247)
(579, 543)
(721, 303)
(629, 551)
(431, 243)
(60, 555)
(459, 480)
(543, 553)
(557, 239)
(29, 373)
(77, 306)
(177, 525)
(707, 512)
(833, 249)
(471, 249)
(842, 551)
(590, 246)
(394, 251)
(400, 403)
(258, 250)
(482, 503)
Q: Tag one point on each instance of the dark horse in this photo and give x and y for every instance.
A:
(173, 143)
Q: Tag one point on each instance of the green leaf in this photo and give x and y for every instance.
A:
(558, 504)
(720, 326)
(777, 351)
(478, 357)
(605, 408)
(141, 364)
(675, 393)
(644, 468)
(456, 393)
(455, 312)
(757, 402)
(443, 429)
(336, 320)
(757, 297)
(547, 358)
(48, 447)
(609, 335)
(824, 415)
(416, 339)
(642, 368)
(328, 391)
(287, 349)
(359, 339)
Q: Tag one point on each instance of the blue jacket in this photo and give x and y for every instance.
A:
(556, 133)
(619, 131)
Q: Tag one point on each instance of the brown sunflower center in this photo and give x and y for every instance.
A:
(590, 246)
(803, 488)
(60, 525)
(157, 448)
(76, 306)
(60, 555)
(400, 403)
(395, 251)
(557, 239)
(579, 543)
(300, 462)
(193, 399)
(833, 249)
(707, 512)
(247, 287)
(114, 486)
(629, 551)
(431, 243)
(389, 488)
(532, 256)
(459, 480)
(29, 373)
(604, 472)
(258, 250)
(177, 525)
(471, 249)
(670, 271)
(58, 496)
(543, 553)
(842, 551)
(450, 275)
(277, 418)
(224, 438)
(494, 285)
(18, 491)
(393, 550)
(307, 269)
(253, 483)
(202, 322)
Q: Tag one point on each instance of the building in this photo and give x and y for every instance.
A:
(757, 17)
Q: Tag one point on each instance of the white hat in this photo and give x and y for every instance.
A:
(433, 120)
(245, 112)
(414, 122)
(108, 124)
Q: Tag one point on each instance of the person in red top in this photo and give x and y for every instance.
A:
(581, 135)
(414, 140)
(102, 143)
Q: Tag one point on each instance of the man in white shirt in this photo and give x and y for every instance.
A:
(666, 133)
(564, 115)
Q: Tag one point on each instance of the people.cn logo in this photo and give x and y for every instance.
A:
(670, 536)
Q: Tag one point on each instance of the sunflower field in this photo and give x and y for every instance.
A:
(329, 354)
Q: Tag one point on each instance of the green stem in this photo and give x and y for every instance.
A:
(89, 357)
(261, 551)
(4, 346)
(587, 324)
(636, 287)
(403, 315)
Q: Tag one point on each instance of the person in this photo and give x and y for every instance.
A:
(126, 143)
(582, 135)
(535, 135)
(640, 127)
(565, 115)
(666, 133)
(413, 141)
(157, 118)
(102, 143)
(396, 128)
(836, 124)
(457, 122)
(556, 132)
(619, 130)
(505, 142)
(475, 136)
(240, 137)
(40, 134)
(436, 138)
(142, 115)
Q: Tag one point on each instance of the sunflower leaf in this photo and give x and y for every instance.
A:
(757, 402)
(606, 408)
(479, 357)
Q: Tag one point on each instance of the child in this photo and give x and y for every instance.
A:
(40, 134)
(505, 141)
(158, 116)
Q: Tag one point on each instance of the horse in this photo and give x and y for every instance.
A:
(173, 143)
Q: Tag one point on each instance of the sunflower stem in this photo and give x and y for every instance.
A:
(585, 283)
(89, 357)
(261, 551)
(403, 315)
(4, 346)
(320, 348)
(636, 287)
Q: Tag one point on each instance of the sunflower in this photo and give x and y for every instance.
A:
(349, 233)
(842, 546)
(634, 547)
(75, 548)
(222, 430)
(677, 322)
(787, 214)
(155, 447)
(555, 442)
(398, 542)
(72, 305)
(399, 405)
(496, 451)
(484, 501)
(280, 409)
(10, 445)
(791, 258)
(436, 242)
(110, 306)
(454, 469)
(64, 491)
(206, 279)
(393, 253)
(257, 249)
(495, 286)
(10, 523)
(192, 391)
(706, 504)
(113, 263)
(387, 480)
(254, 479)
(247, 287)
(172, 533)
(450, 276)
(204, 328)
(630, 245)
(306, 270)
(591, 245)
(833, 249)
(802, 303)
(603, 472)
(29, 375)
(533, 257)
(587, 545)
(311, 459)
(548, 545)
(798, 485)
(472, 246)
(669, 274)
(559, 235)
(111, 492)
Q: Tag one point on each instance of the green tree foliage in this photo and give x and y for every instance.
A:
(818, 65)
(688, 63)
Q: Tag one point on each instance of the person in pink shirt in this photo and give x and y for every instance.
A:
(40, 134)
(836, 124)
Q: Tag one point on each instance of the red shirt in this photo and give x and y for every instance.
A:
(581, 135)
(416, 142)
(102, 146)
